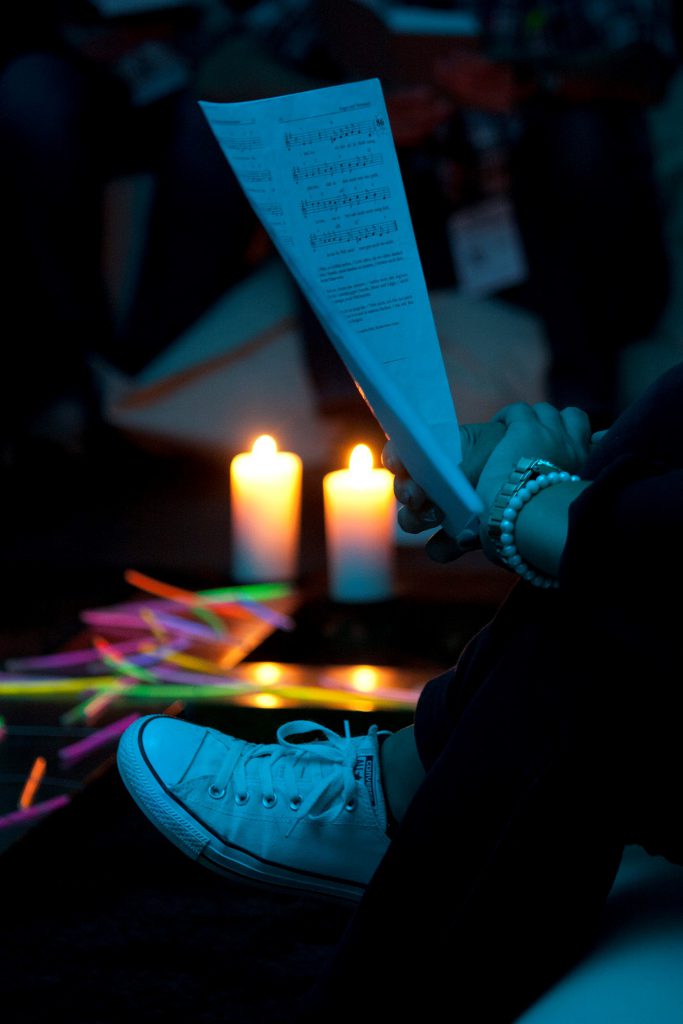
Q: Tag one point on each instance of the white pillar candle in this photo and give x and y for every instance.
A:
(265, 503)
(359, 529)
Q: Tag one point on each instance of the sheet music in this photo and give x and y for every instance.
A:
(321, 172)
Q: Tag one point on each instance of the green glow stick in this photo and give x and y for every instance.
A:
(251, 591)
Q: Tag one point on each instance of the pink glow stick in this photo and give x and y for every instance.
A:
(66, 658)
(255, 608)
(77, 751)
(124, 620)
(113, 620)
(35, 811)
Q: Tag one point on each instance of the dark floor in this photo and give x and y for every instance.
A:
(104, 920)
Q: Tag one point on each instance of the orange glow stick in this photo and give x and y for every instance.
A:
(180, 595)
(32, 783)
(175, 708)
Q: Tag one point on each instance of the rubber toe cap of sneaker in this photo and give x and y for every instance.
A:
(169, 746)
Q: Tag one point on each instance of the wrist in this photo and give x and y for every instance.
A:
(533, 552)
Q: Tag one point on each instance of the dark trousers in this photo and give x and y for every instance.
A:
(553, 743)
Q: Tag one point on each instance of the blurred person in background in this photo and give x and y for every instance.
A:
(567, 86)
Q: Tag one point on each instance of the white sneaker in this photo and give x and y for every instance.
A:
(307, 815)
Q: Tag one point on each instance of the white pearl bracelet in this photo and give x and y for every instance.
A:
(528, 478)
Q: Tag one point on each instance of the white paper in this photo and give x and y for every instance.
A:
(321, 172)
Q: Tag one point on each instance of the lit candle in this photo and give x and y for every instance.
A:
(265, 501)
(359, 529)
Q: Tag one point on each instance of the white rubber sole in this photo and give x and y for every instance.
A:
(190, 836)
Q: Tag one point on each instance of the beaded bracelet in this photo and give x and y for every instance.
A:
(528, 478)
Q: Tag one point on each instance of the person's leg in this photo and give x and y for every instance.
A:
(402, 770)
(499, 870)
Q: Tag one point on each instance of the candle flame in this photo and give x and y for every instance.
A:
(264, 446)
(361, 461)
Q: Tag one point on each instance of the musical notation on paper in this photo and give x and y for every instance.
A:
(347, 200)
(334, 133)
(331, 170)
(359, 234)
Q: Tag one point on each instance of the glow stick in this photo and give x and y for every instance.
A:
(269, 615)
(247, 592)
(68, 658)
(186, 628)
(77, 751)
(135, 665)
(314, 695)
(195, 664)
(32, 783)
(394, 693)
(3, 727)
(160, 622)
(58, 687)
(197, 602)
(14, 685)
(214, 691)
(229, 597)
(175, 708)
(76, 713)
(184, 597)
(92, 709)
(148, 616)
(36, 811)
(149, 653)
(112, 620)
(134, 621)
(117, 661)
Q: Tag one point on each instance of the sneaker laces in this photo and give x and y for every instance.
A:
(327, 799)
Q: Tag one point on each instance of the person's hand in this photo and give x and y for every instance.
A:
(415, 112)
(476, 82)
(490, 453)
(418, 513)
(538, 431)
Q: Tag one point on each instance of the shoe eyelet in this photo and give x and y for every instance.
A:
(296, 802)
(215, 792)
(350, 806)
(241, 799)
(269, 800)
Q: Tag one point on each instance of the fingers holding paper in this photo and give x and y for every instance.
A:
(419, 514)
(490, 452)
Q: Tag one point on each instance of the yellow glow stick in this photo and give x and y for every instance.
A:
(22, 687)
